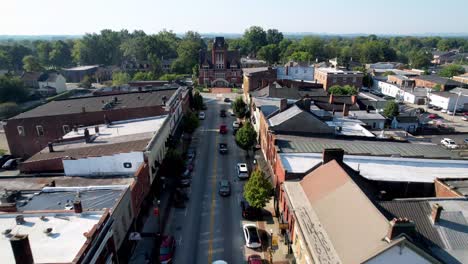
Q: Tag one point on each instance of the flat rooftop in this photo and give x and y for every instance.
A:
(384, 168)
(337, 71)
(82, 68)
(349, 127)
(61, 246)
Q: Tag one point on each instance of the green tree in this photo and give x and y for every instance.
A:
(143, 76)
(273, 36)
(120, 78)
(188, 51)
(173, 163)
(12, 90)
(60, 54)
(239, 107)
(87, 82)
(420, 59)
(256, 38)
(270, 53)
(391, 109)
(43, 48)
(246, 137)
(258, 189)
(301, 56)
(452, 70)
(197, 101)
(437, 88)
(8, 110)
(342, 90)
(171, 77)
(32, 64)
(190, 122)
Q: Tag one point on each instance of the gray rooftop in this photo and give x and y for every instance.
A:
(458, 185)
(297, 144)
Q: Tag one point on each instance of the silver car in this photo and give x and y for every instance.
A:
(252, 238)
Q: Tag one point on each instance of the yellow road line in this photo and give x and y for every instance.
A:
(213, 203)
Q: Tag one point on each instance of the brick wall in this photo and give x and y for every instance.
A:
(140, 188)
(444, 191)
(50, 165)
(31, 143)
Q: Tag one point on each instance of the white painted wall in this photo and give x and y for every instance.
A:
(448, 103)
(157, 148)
(104, 165)
(123, 217)
(398, 254)
(296, 73)
(389, 89)
(59, 84)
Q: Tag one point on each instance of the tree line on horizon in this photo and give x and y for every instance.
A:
(115, 47)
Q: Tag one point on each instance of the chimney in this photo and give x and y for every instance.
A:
(75, 128)
(283, 104)
(106, 120)
(353, 99)
(436, 211)
(8, 207)
(83, 109)
(96, 129)
(51, 184)
(164, 99)
(306, 102)
(345, 110)
(140, 89)
(331, 100)
(115, 99)
(287, 70)
(21, 249)
(86, 135)
(51, 147)
(77, 207)
(332, 154)
(399, 226)
(19, 219)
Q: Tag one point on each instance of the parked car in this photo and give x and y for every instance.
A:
(449, 112)
(235, 125)
(191, 153)
(465, 140)
(437, 108)
(433, 116)
(5, 158)
(448, 143)
(254, 259)
(10, 164)
(201, 115)
(242, 171)
(223, 129)
(429, 106)
(249, 212)
(223, 148)
(184, 182)
(464, 118)
(252, 238)
(443, 111)
(222, 113)
(166, 250)
(227, 100)
(186, 174)
(364, 89)
(224, 188)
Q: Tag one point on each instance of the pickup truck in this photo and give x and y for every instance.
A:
(223, 148)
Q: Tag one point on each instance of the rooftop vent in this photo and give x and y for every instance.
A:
(20, 220)
(6, 232)
(48, 231)
(43, 218)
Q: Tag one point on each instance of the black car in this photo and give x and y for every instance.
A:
(224, 188)
(5, 158)
(184, 182)
(249, 212)
(223, 148)
(222, 113)
(227, 100)
(10, 164)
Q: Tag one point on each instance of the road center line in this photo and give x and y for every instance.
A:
(213, 202)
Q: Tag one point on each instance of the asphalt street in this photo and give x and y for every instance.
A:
(210, 227)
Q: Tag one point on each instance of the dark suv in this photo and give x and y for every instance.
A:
(222, 113)
(249, 212)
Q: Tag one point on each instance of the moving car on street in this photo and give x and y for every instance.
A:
(224, 188)
(223, 129)
(235, 125)
(242, 171)
(223, 148)
(252, 238)
(166, 250)
(201, 115)
(222, 113)
(448, 143)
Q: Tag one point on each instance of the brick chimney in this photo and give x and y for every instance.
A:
(283, 104)
(331, 100)
(353, 99)
(287, 70)
(332, 154)
(400, 226)
(21, 249)
(8, 207)
(345, 110)
(51, 147)
(436, 211)
(77, 207)
(87, 136)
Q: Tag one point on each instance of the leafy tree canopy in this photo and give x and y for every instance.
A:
(190, 122)
(451, 70)
(342, 90)
(246, 136)
(257, 190)
(391, 109)
(120, 78)
(239, 107)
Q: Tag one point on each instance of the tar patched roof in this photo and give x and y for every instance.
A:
(61, 246)
(338, 221)
(447, 239)
(96, 103)
(296, 144)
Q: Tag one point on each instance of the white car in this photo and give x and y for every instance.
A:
(464, 118)
(252, 238)
(449, 143)
(201, 116)
(242, 171)
(443, 111)
(235, 125)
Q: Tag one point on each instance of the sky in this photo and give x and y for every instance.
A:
(66, 17)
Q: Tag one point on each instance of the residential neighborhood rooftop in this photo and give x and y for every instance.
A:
(82, 68)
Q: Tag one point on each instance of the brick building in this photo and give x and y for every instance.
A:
(331, 76)
(255, 78)
(220, 67)
(31, 131)
(446, 187)
(431, 81)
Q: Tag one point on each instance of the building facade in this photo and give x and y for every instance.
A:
(331, 76)
(220, 67)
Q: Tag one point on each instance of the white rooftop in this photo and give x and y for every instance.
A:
(384, 168)
(122, 128)
(349, 127)
(82, 68)
(336, 71)
(61, 246)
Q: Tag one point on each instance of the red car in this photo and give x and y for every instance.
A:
(432, 116)
(223, 129)
(254, 259)
(166, 250)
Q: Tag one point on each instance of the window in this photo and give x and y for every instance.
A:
(66, 129)
(334, 80)
(354, 79)
(127, 165)
(40, 130)
(21, 131)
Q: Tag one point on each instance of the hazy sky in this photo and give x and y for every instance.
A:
(36, 17)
